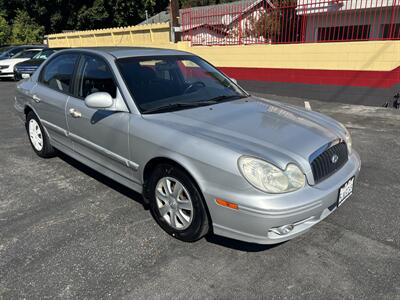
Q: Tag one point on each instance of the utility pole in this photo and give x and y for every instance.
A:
(174, 11)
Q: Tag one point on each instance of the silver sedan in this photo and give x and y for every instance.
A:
(207, 156)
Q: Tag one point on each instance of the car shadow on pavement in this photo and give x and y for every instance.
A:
(238, 245)
(127, 192)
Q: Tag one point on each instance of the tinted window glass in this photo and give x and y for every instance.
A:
(168, 80)
(57, 74)
(95, 76)
(15, 51)
(27, 54)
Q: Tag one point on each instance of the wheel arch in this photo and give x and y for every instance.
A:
(153, 163)
(27, 109)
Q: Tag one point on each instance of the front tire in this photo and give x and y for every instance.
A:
(177, 204)
(37, 136)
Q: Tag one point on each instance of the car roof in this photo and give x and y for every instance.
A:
(27, 46)
(122, 52)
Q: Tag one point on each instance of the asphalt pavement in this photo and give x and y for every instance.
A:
(69, 232)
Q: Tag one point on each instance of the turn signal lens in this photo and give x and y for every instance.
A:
(226, 203)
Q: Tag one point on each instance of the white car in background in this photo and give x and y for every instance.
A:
(7, 65)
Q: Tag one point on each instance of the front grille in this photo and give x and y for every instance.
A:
(26, 69)
(323, 166)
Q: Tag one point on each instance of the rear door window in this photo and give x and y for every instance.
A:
(57, 74)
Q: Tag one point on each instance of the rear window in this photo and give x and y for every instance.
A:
(57, 74)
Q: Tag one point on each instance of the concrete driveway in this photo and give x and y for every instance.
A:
(68, 232)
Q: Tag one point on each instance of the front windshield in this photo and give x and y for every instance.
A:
(26, 54)
(44, 54)
(161, 81)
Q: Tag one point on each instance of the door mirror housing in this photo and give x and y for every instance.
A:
(99, 100)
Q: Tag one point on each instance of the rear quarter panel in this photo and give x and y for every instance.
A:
(23, 98)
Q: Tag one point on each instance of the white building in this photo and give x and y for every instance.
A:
(350, 19)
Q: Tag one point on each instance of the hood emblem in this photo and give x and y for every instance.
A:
(334, 158)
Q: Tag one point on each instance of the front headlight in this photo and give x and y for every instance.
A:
(268, 178)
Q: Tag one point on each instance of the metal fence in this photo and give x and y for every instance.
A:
(288, 21)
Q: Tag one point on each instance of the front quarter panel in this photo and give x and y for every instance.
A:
(209, 164)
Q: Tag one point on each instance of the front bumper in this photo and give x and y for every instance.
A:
(303, 209)
(6, 74)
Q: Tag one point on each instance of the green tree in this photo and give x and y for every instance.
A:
(124, 13)
(58, 15)
(25, 30)
(4, 31)
(92, 17)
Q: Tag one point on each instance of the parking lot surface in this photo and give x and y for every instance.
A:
(69, 232)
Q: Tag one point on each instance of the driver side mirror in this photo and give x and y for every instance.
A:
(99, 100)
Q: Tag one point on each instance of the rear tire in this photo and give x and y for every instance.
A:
(37, 136)
(177, 204)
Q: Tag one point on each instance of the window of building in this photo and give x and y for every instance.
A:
(391, 31)
(344, 33)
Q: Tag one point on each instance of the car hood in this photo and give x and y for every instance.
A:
(12, 61)
(31, 62)
(270, 130)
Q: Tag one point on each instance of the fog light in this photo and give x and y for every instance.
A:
(285, 229)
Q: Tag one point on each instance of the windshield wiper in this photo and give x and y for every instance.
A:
(179, 105)
(191, 104)
(225, 97)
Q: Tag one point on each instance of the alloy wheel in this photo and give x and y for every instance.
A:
(174, 203)
(35, 135)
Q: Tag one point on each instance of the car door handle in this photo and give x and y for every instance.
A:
(74, 113)
(36, 98)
